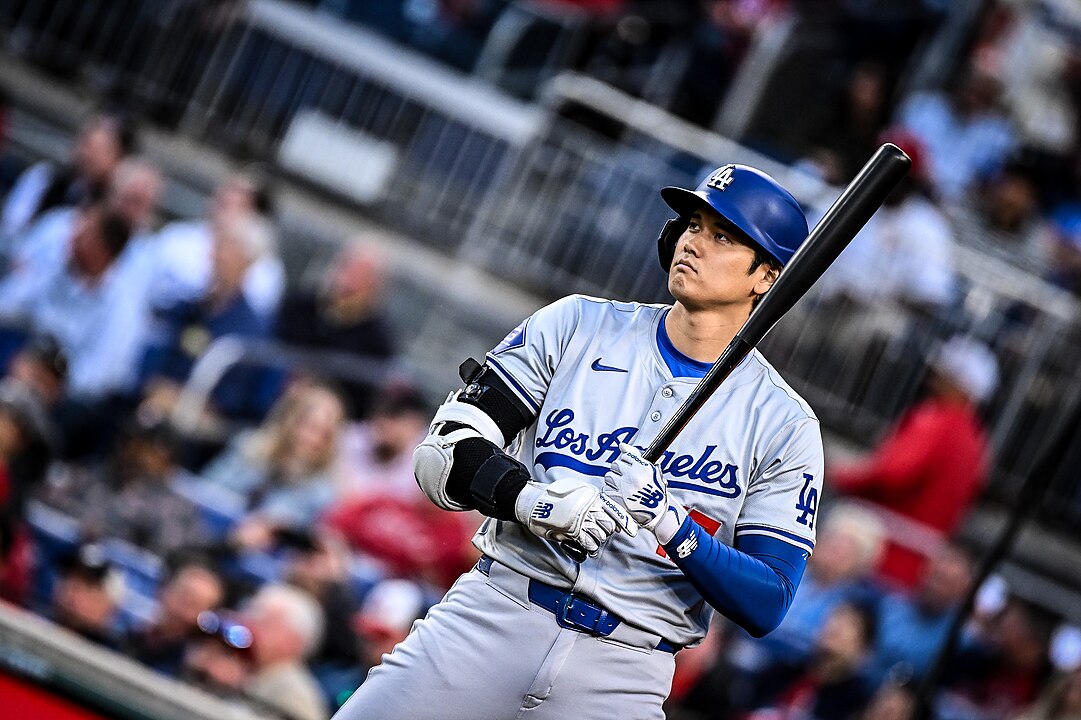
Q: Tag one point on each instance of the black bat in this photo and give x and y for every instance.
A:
(846, 217)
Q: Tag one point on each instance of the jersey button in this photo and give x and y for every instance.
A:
(666, 392)
(655, 416)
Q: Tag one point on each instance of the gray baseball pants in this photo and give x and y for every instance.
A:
(487, 653)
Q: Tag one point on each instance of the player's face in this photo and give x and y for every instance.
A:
(711, 264)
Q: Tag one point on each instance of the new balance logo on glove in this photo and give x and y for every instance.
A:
(543, 511)
(649, 496)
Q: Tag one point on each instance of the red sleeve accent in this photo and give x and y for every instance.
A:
(705, 521)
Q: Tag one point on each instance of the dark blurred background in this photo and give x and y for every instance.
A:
(244, 245)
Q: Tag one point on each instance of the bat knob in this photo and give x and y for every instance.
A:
(577, 553)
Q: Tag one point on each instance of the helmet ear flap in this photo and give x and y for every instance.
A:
(666, 241)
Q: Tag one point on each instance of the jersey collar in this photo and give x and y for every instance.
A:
(678, 364)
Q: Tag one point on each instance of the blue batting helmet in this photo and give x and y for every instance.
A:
(749, 199)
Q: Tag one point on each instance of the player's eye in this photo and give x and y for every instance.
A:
(722, 238)
(693, 226)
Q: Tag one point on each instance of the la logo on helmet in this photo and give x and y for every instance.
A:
(722, 178)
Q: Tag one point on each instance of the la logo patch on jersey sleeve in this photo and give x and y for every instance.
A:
(515, 338)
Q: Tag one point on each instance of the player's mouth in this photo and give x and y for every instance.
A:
(682, 263)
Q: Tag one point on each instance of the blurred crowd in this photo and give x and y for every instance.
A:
(996, 145)
(272, 548)
(273, 545)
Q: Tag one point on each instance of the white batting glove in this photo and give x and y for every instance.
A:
(572, 510)
(641, 487)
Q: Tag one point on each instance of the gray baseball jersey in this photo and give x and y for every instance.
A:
(598, 373)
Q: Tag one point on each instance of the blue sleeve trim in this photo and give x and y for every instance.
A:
(751, 584)
(513, 382)
(775, 532)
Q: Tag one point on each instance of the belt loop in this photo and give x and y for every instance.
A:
(485, 565)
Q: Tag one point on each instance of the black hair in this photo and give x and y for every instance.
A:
(261, 188)
(115, 231)
(123, 127)
(157, 432)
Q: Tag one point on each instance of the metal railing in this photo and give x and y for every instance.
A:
(555, 207)
(63, 663)
(229, 351)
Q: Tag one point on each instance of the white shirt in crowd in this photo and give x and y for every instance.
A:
(904, 253)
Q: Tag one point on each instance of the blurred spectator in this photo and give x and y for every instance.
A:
(287, 627)
(932, 465)
(1002, 668)
(849, 134)
(1003, 218)
(831, 685)
(102, 143)
(184, 252)
(892, 701)
(382, 513)
(81, 302)
(904, 252)
(26, 441)
(383, 621)
(1036, 49)
(1059, 700)
(385, 618)
(344, 314)
(965, 132)
(912, 628)
(407, 538)
(841, 570)
(86, 594)
(130, 496)
(193, 589)
(1066, 246)
(42, 366)
(133, 192)
(320, 566)
(705, 684)
(717, 40)
(283, 469)
(219, 658)
(182, 333)
(376, 455)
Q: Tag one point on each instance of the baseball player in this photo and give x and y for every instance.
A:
(546, 439)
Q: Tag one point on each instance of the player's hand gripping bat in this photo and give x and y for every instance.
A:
(848, 214)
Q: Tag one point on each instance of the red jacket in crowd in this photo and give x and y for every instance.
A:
(930, 468)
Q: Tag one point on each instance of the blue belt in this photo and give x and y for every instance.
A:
(573, 611)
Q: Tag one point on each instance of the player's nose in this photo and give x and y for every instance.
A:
(688, 244)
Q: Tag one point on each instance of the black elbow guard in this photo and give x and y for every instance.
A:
(486, 478)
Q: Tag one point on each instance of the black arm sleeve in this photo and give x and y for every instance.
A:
(484, 477)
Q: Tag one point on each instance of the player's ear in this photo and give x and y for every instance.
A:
(767, 275)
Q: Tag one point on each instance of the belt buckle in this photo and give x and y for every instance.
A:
(566, 606)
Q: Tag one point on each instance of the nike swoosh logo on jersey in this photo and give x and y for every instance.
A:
(605, 368)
